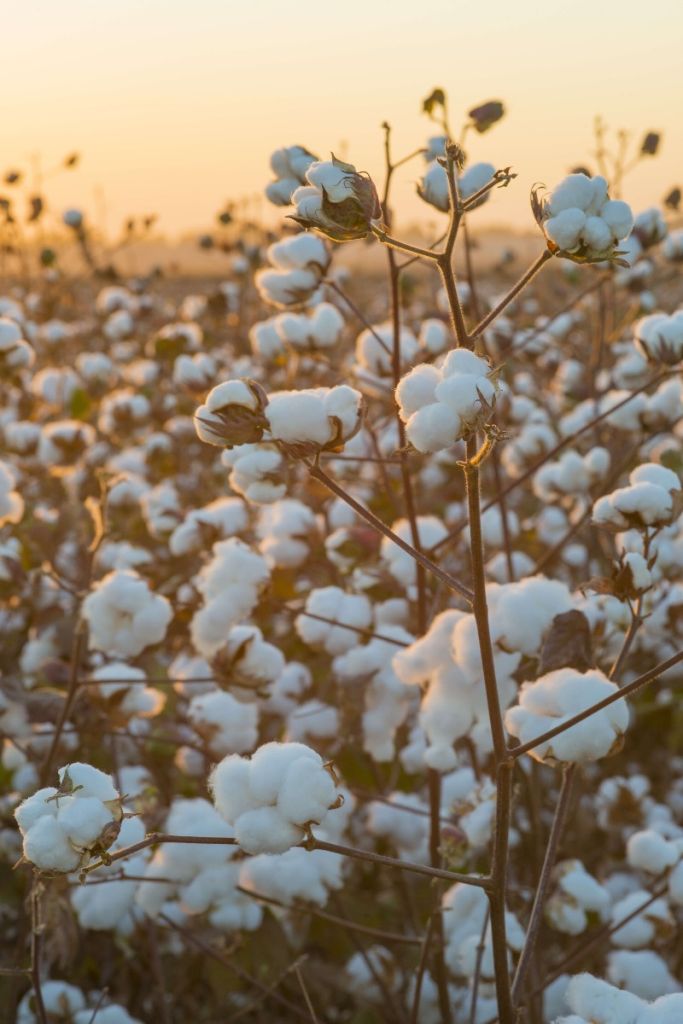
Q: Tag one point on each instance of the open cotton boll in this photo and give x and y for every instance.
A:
(576, 191)
(265, 830)
(87, 781)
(433, 187)
(83, 819)
(304, 251)
(287, 287)
(565, 228)
(639, 505)
(558, 696)
(596, 1000)
(223, 517)
(416, 389)
(434, 336)
(306, 793)
(655, 920)
(343, 610)
(430, 530)
(124, 616)
(374, 348)
(38, 805)
(257, 472)
(642, 972)
(47, 845)
(270, 764)
(474, 178)
(652, 473)
(313, 719)
(228, 725)
(651, 852)
(433, 428)
(59, 998)
(229, 784)
(293, 875)
(265, 339)
(326, 325)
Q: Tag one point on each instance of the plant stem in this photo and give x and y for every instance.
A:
(524, 280)
(318, 474)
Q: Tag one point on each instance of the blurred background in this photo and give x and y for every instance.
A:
(176, 106)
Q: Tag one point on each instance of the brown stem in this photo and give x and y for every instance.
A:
(519, 285)
(318, 474)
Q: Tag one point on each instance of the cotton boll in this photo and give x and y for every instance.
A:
(596, 234)
(618, 216)
(83, 819)
(38, 805)
(303, 251)
(565, 229)
(124, 616)
(434, 336)
(644, 927)
(557, 697)
(651, 852)
(264, 830)
(576, 191)
(433, 428)
(306, 793)
(270, 764)
(644, 973)
(433, 187)
(46, 845)
(344, 609)
(229, 783)
(229, 725)
(594, 999)
(313, 719)
(474, 179)
(87, 781)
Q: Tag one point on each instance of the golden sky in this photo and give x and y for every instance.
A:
(177, 104)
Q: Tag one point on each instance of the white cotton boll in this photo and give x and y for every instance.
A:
(306, 793)
(298, 416)
(344, 403)
(286, 287)
(46, 845)
(300, 252)
(595, 1000)
(124, 616)
(597, 234)
(557, 697)
(576, 191)
(541, 599)
(83, 819)
(264, 830)
(644, 973)
(645, 926)
(649, 851)
(36, 806)
(565, 228)
(228, 725)
(417, 389)
(374, 348)
(461, 360)
(265, 340)
(433, 187)
(652, 473)
(433, 428)
(343, 610)
(434, 336)
(313, 719)
(641, 504)
(466, 393)
(229, 784)
(474, 178)
(492, 526)
(270, 764)
(665, 1010)
(88, 781)
(618, 216)
(59, 998)
(280, 192)
(326, 325)
(641, 576)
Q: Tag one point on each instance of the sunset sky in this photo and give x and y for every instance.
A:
(176, 105)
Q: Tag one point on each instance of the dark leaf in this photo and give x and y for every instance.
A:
(567, 644)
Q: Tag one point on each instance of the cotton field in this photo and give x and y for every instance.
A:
(341, 607)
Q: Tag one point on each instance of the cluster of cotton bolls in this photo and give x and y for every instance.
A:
(65, 1002)
(579, 219)
(289, 165)
(441, 405)
(318, 331)
(433, 186)
(61, 827)
(124, 616)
